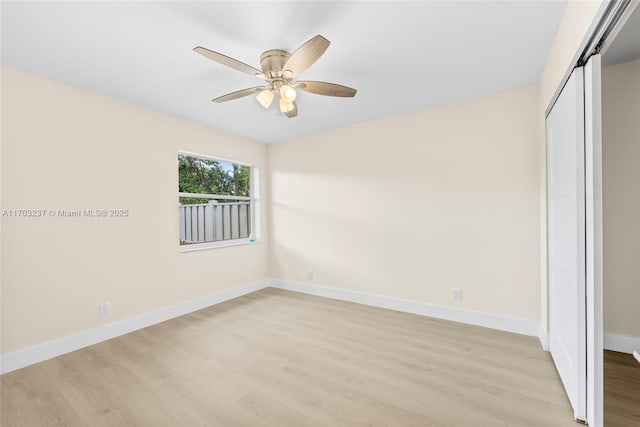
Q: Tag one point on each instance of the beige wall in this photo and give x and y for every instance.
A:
(63, 148)
(621, 197)
(412, 205)
(578, 20)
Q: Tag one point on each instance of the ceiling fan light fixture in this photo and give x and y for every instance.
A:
(265, 98)
(279, 68)
(288, 93)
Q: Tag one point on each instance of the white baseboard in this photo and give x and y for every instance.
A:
(488, 320)
(621, 343)
(544, 338)
(47, 350)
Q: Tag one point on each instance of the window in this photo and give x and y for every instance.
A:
(217, 202)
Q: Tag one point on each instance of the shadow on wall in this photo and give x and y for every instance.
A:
(401, 240)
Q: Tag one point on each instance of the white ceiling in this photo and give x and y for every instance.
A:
(401, 56)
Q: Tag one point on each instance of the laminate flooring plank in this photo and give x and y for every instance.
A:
(621, 389)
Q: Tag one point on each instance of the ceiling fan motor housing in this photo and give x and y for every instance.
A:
(272, 62)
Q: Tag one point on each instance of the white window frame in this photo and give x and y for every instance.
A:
(254, 206)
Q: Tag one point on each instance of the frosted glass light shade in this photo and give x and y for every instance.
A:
(285, 106)
(288, 93)
(265, 98)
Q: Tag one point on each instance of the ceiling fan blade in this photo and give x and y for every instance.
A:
(327, 89)
(306, 55)
(239, 94)
(292, 111)
(228, 61)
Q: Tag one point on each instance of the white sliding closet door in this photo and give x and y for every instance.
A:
(574, 215)
(566, 240)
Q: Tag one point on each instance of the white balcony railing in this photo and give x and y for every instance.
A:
(214, 221)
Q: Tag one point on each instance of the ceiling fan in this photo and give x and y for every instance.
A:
(279, 68)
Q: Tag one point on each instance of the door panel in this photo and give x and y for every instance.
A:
(566, 239)
(594, 242)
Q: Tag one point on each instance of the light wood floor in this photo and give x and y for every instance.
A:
(621, 389)
(276, 358)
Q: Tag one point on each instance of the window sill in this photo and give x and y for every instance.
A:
(215, 245)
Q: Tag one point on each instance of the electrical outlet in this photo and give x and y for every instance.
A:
(104, 309)
(456, 294)
(309, 275)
